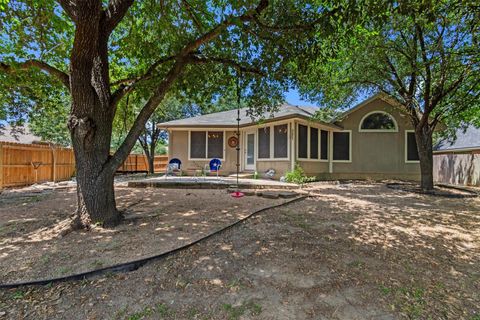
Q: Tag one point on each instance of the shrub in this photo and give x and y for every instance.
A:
(298, 176)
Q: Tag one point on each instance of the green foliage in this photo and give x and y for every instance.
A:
(265, 48)
(298, 176)
(429, 47)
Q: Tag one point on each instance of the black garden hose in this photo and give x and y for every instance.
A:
(134, 265)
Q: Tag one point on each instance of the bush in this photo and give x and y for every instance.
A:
(298, 176)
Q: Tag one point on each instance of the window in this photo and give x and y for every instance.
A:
(302, 141)
(411, 147)
(313, 143)
(280, 141)
(324, 145)
(198, 144)
(206, 144)
(378, 121)
(341, 146)
(215, 144)
(264, 143)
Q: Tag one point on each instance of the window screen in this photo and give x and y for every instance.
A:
(341, 146)
(412, 151)
(313, 143)
(197, 144)
(215, 144)
(280, 143)
(302, 141)
(264, 143)
(324, 145)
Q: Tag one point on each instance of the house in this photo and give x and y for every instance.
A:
(373, 140)
(457, 160)
(19, 134)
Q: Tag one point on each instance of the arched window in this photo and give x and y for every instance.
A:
(378, 121)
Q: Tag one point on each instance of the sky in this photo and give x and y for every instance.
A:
(293, 98)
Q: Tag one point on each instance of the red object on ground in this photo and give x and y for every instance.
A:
(237, 194)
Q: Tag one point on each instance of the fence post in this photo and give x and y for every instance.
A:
(54, 165)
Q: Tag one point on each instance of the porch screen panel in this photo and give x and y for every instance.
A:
(280, 143)
(341, 146)
(264, 143)
(412, 151)
(198, 144)
(215, 144)
(313, 143)
(324, 145)
(302, 141)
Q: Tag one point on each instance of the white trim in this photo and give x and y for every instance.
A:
(245, 148)
(206, 144)
(469, 149)
(350, 148)
(378, 130)
(330, 151)
(406, 148)
(272, 142)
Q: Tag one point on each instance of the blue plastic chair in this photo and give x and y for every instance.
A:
(174, 165)
(214, 166)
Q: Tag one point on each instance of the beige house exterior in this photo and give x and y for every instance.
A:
(345, 148)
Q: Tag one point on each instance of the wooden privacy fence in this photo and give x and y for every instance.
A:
(26, 164)
(138, 163)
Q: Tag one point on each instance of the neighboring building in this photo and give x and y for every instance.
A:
(18, 135)
(373, 140)
(457, 160)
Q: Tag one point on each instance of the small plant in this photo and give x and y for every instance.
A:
(19, 294)
(298, 176)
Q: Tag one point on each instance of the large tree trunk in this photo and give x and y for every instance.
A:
(423, 137)
(151, 164)
(91, 119)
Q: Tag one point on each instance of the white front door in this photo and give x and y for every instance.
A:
(250, 150)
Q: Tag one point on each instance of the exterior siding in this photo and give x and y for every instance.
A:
(178, 148)
(376, 155)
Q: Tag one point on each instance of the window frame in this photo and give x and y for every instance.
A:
(350, 156)
(272, 141)
(319, 128)
(406, 148)
(206, 144)
(395, 129)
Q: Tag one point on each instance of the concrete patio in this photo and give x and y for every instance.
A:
(189, 182)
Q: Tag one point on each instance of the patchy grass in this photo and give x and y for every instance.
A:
(235, 312)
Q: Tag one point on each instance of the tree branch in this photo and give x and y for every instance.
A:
(214, 32)
(69, 7)
(115, 12)
(139, 124)
(204, 60)
(33, 63)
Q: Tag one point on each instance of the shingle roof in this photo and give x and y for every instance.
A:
(18, 135)
(229, 118)
(468, 139)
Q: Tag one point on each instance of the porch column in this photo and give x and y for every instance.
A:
(293, 145)
(330, 151)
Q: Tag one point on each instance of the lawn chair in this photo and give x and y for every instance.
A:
(213, 167)
(173, 166)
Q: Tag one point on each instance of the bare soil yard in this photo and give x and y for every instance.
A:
(354, 251)
(158, 220)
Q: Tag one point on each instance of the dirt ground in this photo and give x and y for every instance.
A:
(158, 220)
(353, 251)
